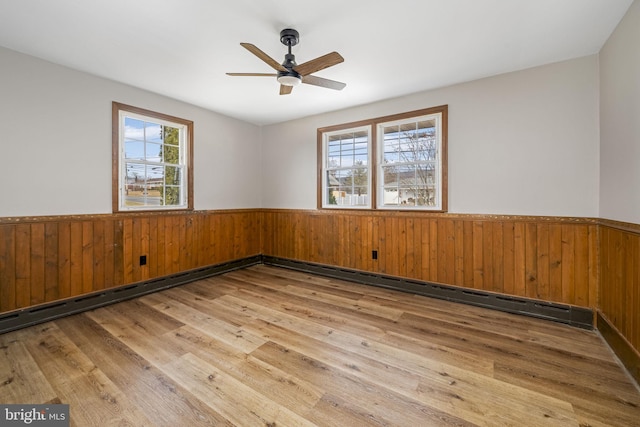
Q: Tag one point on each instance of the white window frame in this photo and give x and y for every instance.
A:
(438, 175)
(185, 147)
(326, 168)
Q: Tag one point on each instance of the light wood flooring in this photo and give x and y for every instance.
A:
(266, 346)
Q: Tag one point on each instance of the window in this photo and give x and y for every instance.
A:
(152, 160)
(394, 162)
(346, 169)
(410, 165)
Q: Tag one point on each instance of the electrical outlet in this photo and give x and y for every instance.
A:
(374, 254)
(143, 260)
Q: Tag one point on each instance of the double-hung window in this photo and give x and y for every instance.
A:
(393, 162)
(410, 163)
(152, 155)
(347, 177)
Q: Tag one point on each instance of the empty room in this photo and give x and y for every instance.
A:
(336, 213)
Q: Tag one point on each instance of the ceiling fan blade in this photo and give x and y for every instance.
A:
(285, 90)
(266, 58)
(319, 81)
(319, 63)
(253, 74)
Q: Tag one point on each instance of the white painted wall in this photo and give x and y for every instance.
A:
(55, 146)
(523, 143)
(620, 121)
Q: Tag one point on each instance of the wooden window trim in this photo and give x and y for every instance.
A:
(441, 109)
(115, 150)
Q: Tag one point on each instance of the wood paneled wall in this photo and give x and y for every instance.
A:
(585, 262)
(552, 259)
(620, 278)
(43, 259)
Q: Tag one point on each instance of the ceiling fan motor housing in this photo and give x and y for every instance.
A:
(289, 37)
(289, 61)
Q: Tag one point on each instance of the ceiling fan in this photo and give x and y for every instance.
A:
(290, 74)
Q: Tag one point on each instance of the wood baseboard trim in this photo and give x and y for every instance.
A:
(45, 312)
(629, 357)
(563, 313)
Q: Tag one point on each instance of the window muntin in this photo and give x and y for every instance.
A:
(153, 156)
(346, 168)
(410, 163)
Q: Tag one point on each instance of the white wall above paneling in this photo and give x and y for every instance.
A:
(522, 143)
(561, 140)
(56, 142)
(620, 121)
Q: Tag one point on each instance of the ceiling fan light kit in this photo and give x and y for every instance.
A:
(289, 79)
(289, 73)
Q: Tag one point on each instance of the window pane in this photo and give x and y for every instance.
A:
(133, 149)
(427, 134)
(356, 177)
(391, 153)
(426, 173)
(332, 180)
(155, 177)
(347, 148)
(133, 128)
(153, 132)
(431, 196)
(341, 176)
(155, 174)
(361, 153)
(390, 133)
(332, 185)
(153, 152)
(361, 159)
(333, 149)
(333, 162)
(171, 135)
(172, 196)
(135, 172)
(135, 182)
(172, 175)
(171, 154)
(407, 128)
(389, 175)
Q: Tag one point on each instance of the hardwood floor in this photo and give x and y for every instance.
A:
(266, 346)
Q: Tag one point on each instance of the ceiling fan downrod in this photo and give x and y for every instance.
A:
(289, 37)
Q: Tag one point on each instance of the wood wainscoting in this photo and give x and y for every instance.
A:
(583, 262)
(46, 259)
(546, 258)
(619, 291)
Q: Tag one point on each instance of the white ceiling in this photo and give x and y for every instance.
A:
(182, 48)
